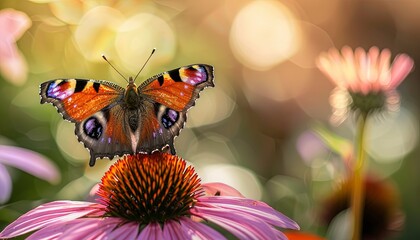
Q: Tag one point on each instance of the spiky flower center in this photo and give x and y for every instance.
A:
(150, 188)
(367, 103)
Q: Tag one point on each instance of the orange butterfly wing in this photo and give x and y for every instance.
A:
(179, 88)
(77, 99)
(170, 95)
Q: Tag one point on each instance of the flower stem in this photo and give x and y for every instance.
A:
(357, 203)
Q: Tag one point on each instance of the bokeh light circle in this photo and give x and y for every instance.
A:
(96, 32)
(69, 145)
(263, 34)
(238, 177)
(139, 34)
(393, 137)
(217, 104)
(68, 11)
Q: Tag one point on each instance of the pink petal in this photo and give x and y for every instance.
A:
(254, 208)
(12, 63)
(86, 228)
(351, 79)
(152, 231)
(335, 67)
(199, 231)
(241, 225)
(30, 162)
(129, 230)
(91, 228)
(49, 213)
(327, 66)
(401, 67)
(52, 231)
(220, 189)
(362, 70)
(174, 231)
(383, 68)
(93, 196)
(5, 185)
(373, 55)
(13, 24)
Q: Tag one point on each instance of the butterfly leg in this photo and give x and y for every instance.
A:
(92, 160)
(172, 147)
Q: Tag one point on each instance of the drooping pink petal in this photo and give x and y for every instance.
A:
(30, 162)
(220, 189)
(173, 230)
(128, 230)
(401, 67)
(152, 231)
(257, 219)
(197, 230)
(92, 228)
(83, 228)
(249, 228)
(254, 208)
(49, 213)
(5, 185)
(51, 231)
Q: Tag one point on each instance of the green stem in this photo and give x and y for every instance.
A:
(357, 202)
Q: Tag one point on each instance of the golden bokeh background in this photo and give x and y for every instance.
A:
(253, 130)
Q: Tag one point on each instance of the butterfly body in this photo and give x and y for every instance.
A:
(113, 121)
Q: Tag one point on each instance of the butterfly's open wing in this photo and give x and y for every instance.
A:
(72, 96)
(169, 96)
(94, 107)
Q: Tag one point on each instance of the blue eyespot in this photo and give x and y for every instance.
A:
(93, 128)
(169, 118)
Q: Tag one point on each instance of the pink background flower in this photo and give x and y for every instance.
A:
(25, 160)
(13, 25)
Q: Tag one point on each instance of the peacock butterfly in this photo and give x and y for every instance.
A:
(112, 121)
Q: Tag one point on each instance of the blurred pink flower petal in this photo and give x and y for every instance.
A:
(30, 162)
(12, 63)
(164, 195)
(366, 81)
(93, 193)
(5, 185)
(401, 67)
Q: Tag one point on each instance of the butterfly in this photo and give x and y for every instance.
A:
(112, 121)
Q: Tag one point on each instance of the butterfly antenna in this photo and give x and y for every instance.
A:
(151, 54)
(103, 56)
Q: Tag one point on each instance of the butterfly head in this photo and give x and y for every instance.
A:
(131, 81)
(131, 87)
